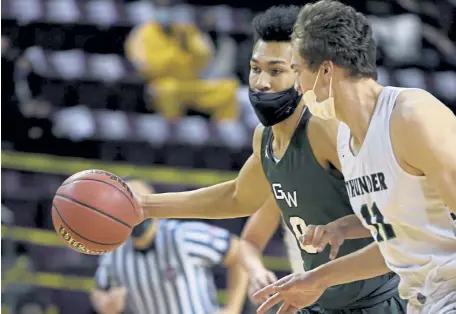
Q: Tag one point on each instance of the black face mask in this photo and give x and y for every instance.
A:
(141, 229)
(273, 108)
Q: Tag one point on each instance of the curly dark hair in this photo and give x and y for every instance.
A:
(275, 24)
(329, 30)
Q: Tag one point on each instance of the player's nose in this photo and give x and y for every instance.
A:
(263, 82)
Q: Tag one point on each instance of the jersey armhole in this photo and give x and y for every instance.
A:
(343, 141)
(389, 145)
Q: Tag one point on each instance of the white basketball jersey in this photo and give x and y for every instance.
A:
(405, 214)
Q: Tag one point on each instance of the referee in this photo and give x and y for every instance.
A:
(166, 268)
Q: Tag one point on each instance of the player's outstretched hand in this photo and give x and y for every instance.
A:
(320, 236)
(259, 279)
(296, 291)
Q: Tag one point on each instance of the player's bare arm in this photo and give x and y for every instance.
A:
(423, 134)
(237, 278)
(236, 198)
(256, 234)
(303, 289)
(352, 267)
(352, 227)
(334, 234)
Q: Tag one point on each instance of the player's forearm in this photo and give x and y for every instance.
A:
(214, 202)
(251, 256)
(236, 290)
(256, 234)
(360, 265)
(352, 227)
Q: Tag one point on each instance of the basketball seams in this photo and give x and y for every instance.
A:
(74, 200)
(78, 234)
(102, 181)
(93, 208)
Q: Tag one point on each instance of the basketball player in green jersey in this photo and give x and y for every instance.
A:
(295, 158)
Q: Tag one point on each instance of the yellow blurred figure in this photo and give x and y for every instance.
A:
(171, 59)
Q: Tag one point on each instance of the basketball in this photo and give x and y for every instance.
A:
(94, 212)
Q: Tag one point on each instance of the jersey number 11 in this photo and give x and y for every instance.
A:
(374, 217)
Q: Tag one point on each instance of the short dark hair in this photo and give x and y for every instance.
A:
(332, 31)
(275, 24)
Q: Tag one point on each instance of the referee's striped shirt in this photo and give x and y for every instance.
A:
(174, 276)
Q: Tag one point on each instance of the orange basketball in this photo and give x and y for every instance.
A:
(94, 212)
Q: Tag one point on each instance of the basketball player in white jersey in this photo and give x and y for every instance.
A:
(397, 148)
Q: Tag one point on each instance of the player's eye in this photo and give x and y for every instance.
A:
(255, 69)
(276, 72)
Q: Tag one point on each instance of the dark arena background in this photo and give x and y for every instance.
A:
(72, 100)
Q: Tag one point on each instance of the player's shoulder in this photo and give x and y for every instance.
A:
(257, 138)
(328, 128)
(322, 136)
(323, 133)
(413, 106)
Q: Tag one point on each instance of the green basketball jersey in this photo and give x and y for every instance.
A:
(308, 194)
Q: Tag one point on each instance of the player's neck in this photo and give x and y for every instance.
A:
(284, 130)
(355, 104)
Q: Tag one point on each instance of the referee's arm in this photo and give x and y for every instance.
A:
(106, 299)
(216, 246)
(237, 278)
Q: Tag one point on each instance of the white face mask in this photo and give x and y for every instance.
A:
(324, 110)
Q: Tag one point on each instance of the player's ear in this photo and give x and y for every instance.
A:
(327, 68)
